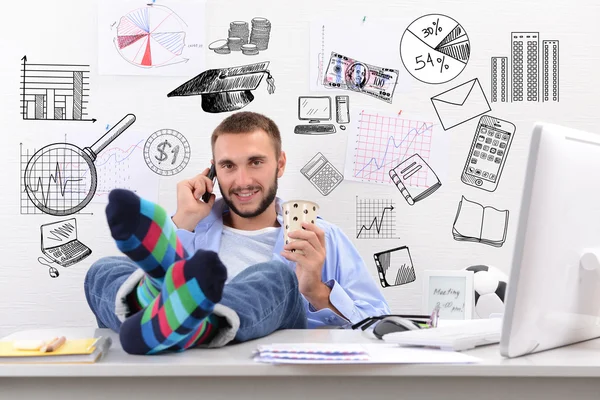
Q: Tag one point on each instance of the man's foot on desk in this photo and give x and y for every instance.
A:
(145, 233)
(180, 316)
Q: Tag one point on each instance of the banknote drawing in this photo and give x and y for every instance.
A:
(346, 73)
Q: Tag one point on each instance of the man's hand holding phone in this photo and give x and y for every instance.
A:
(190, 208)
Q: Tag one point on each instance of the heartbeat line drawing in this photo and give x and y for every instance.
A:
(384, 141)
(54, 180)
(378, 213)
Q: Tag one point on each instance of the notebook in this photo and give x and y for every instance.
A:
(88, 350)
(354, 353)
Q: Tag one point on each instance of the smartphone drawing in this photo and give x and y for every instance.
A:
(212, 174)
(488, 153)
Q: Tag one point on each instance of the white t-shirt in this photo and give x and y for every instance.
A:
(240, 249)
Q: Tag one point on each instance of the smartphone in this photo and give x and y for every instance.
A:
(488, 153)
(212, 174)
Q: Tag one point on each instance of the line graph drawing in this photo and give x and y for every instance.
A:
(54, 92)
(61, 179)
(151, 36)
(114, 168)
(375, 219)
(382, 142)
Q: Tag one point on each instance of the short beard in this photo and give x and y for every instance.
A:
(262, 207)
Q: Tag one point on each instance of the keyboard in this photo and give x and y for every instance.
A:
(68, 253)
(459, 336)
(313, 129)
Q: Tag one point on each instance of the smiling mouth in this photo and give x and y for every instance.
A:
(246, 196)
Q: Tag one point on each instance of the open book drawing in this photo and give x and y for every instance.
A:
(476, 223)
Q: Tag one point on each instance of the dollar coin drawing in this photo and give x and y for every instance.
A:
(167, 152)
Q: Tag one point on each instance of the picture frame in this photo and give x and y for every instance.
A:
(451, 290)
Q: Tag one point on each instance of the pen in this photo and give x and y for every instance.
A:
(53, 344)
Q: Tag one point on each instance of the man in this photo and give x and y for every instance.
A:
(219, 271)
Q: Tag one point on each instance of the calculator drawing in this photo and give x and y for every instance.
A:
(488, 153)
(322, 174)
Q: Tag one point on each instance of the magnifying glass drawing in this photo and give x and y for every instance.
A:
(60, 179)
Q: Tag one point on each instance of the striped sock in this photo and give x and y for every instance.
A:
(146, 234)
(180, 316)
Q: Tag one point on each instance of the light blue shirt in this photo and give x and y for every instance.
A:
(353, 291)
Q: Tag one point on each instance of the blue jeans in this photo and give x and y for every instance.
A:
(265, 296)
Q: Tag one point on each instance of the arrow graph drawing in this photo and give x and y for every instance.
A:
(375, 219)
(55, 92)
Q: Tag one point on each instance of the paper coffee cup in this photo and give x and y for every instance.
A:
(294, 213)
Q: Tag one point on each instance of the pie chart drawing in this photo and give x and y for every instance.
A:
(151, 36)
(435, 48)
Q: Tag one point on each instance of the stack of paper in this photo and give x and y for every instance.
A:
(348, 353)
(87, 350)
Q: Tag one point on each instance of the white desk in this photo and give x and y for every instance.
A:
(229, 373)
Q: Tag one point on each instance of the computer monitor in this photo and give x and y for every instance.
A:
(553, 294)
(314, 108)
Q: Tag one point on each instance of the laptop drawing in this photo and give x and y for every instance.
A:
(59, 242)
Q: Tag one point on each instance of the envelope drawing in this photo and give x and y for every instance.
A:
(460, 104)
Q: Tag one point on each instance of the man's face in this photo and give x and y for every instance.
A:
(247, 171)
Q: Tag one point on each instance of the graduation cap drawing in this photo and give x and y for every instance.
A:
(226, 89)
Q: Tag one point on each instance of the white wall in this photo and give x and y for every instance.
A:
(65, 31)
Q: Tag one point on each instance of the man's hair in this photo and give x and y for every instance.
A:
(247, 122)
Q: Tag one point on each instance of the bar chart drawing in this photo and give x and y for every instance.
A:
(55, 92)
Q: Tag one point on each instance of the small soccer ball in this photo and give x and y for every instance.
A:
(489, 284)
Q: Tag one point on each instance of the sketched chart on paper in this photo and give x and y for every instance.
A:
(150, 39)
(124, 167)
(375, 219)
(151, 36)
(55, 92)
(381, 142)
(115, 166)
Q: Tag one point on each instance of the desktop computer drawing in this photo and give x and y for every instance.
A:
(60, 243)
(314, 109)
(553, 296)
